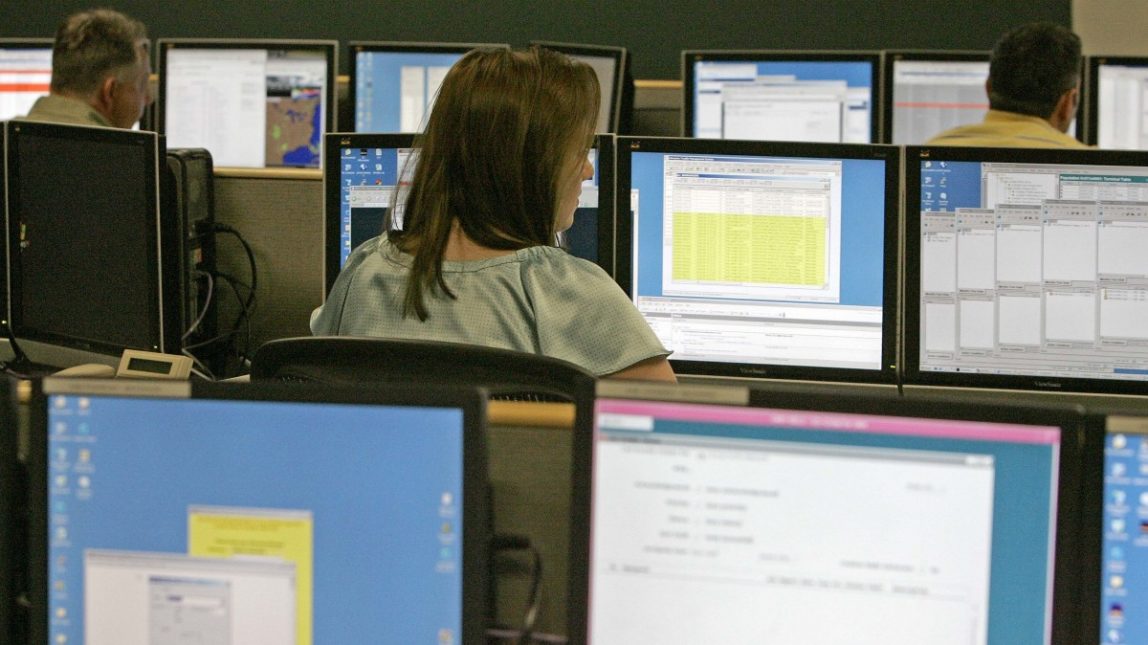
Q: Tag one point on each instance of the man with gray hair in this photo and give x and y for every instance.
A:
(100, 70)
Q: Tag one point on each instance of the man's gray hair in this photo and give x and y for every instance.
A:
(91, 45)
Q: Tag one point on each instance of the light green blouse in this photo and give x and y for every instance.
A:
(539, 300)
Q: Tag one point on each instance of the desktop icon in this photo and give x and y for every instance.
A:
(1119, 497)
(1116, 582)
(1119, 441)
(1119, 469)
(1118, 526)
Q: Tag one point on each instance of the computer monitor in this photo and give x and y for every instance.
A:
(257, 513)
(1118, 576)
(828, 97)
(25, 74)
(904, 522)
(362, 171)
(12, 508)
(251, 103)
(1025, 269)
(1116, 102)
(763, 259)
(928, 92)
(393, 85)
(612, 65)
(93, 265)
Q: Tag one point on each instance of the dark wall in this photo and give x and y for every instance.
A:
(654, 30)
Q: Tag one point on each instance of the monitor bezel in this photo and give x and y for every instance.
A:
(890, 155)
(330, 49)
(12, 507)
(692, 56)
(621, 58)
(892, 56)
(355, 47)
(1091, 88)
(1077, 445)
(56, 349)
(332, 190)
(476, 516)
(1091, 576)
(911, 359)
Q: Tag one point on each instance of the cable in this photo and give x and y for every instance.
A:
(206, 304)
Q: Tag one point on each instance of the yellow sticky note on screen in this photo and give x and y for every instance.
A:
(286, 534)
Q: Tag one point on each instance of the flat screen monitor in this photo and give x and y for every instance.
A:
(612, 65)
(827, 97)
(820, 519)
(13, 558)
(363, 170)
(763, 259)
(393, 85)
(928, 92)
(257, 513)
(251, 103)
(92, 263)
(1025, 269)
(1118, 573)
(1116, 102)
(25, 74)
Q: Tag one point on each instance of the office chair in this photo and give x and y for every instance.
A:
(506, 374)
(503, 373)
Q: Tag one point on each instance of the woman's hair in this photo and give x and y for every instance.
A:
(508, 130)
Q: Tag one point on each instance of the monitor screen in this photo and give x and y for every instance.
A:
(92, 268)
(1124, 534)
(722, 524)
(762, 259)
(25, 75)
(1117, 102)
(611, 65)
(929, 92)
(253, 104)
(254, 514)
(393, 85)
(781, 96)
(363, 170)
(1025, 268)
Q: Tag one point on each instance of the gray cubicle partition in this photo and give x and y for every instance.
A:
(279, 213)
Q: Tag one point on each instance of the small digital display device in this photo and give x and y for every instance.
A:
(251, 103)
(1025, 269)
(763, 259)
(828, 97)
(256, 513)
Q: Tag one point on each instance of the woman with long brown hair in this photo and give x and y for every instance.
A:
(498, 174)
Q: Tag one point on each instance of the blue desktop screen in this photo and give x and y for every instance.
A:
(850, 104)
(702, 512)
(395, 90)
(759, 249)
(253, 521)
(367, 177)
(1124, 560)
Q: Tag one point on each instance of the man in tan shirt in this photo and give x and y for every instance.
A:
(100, 70)
(1033, 88)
